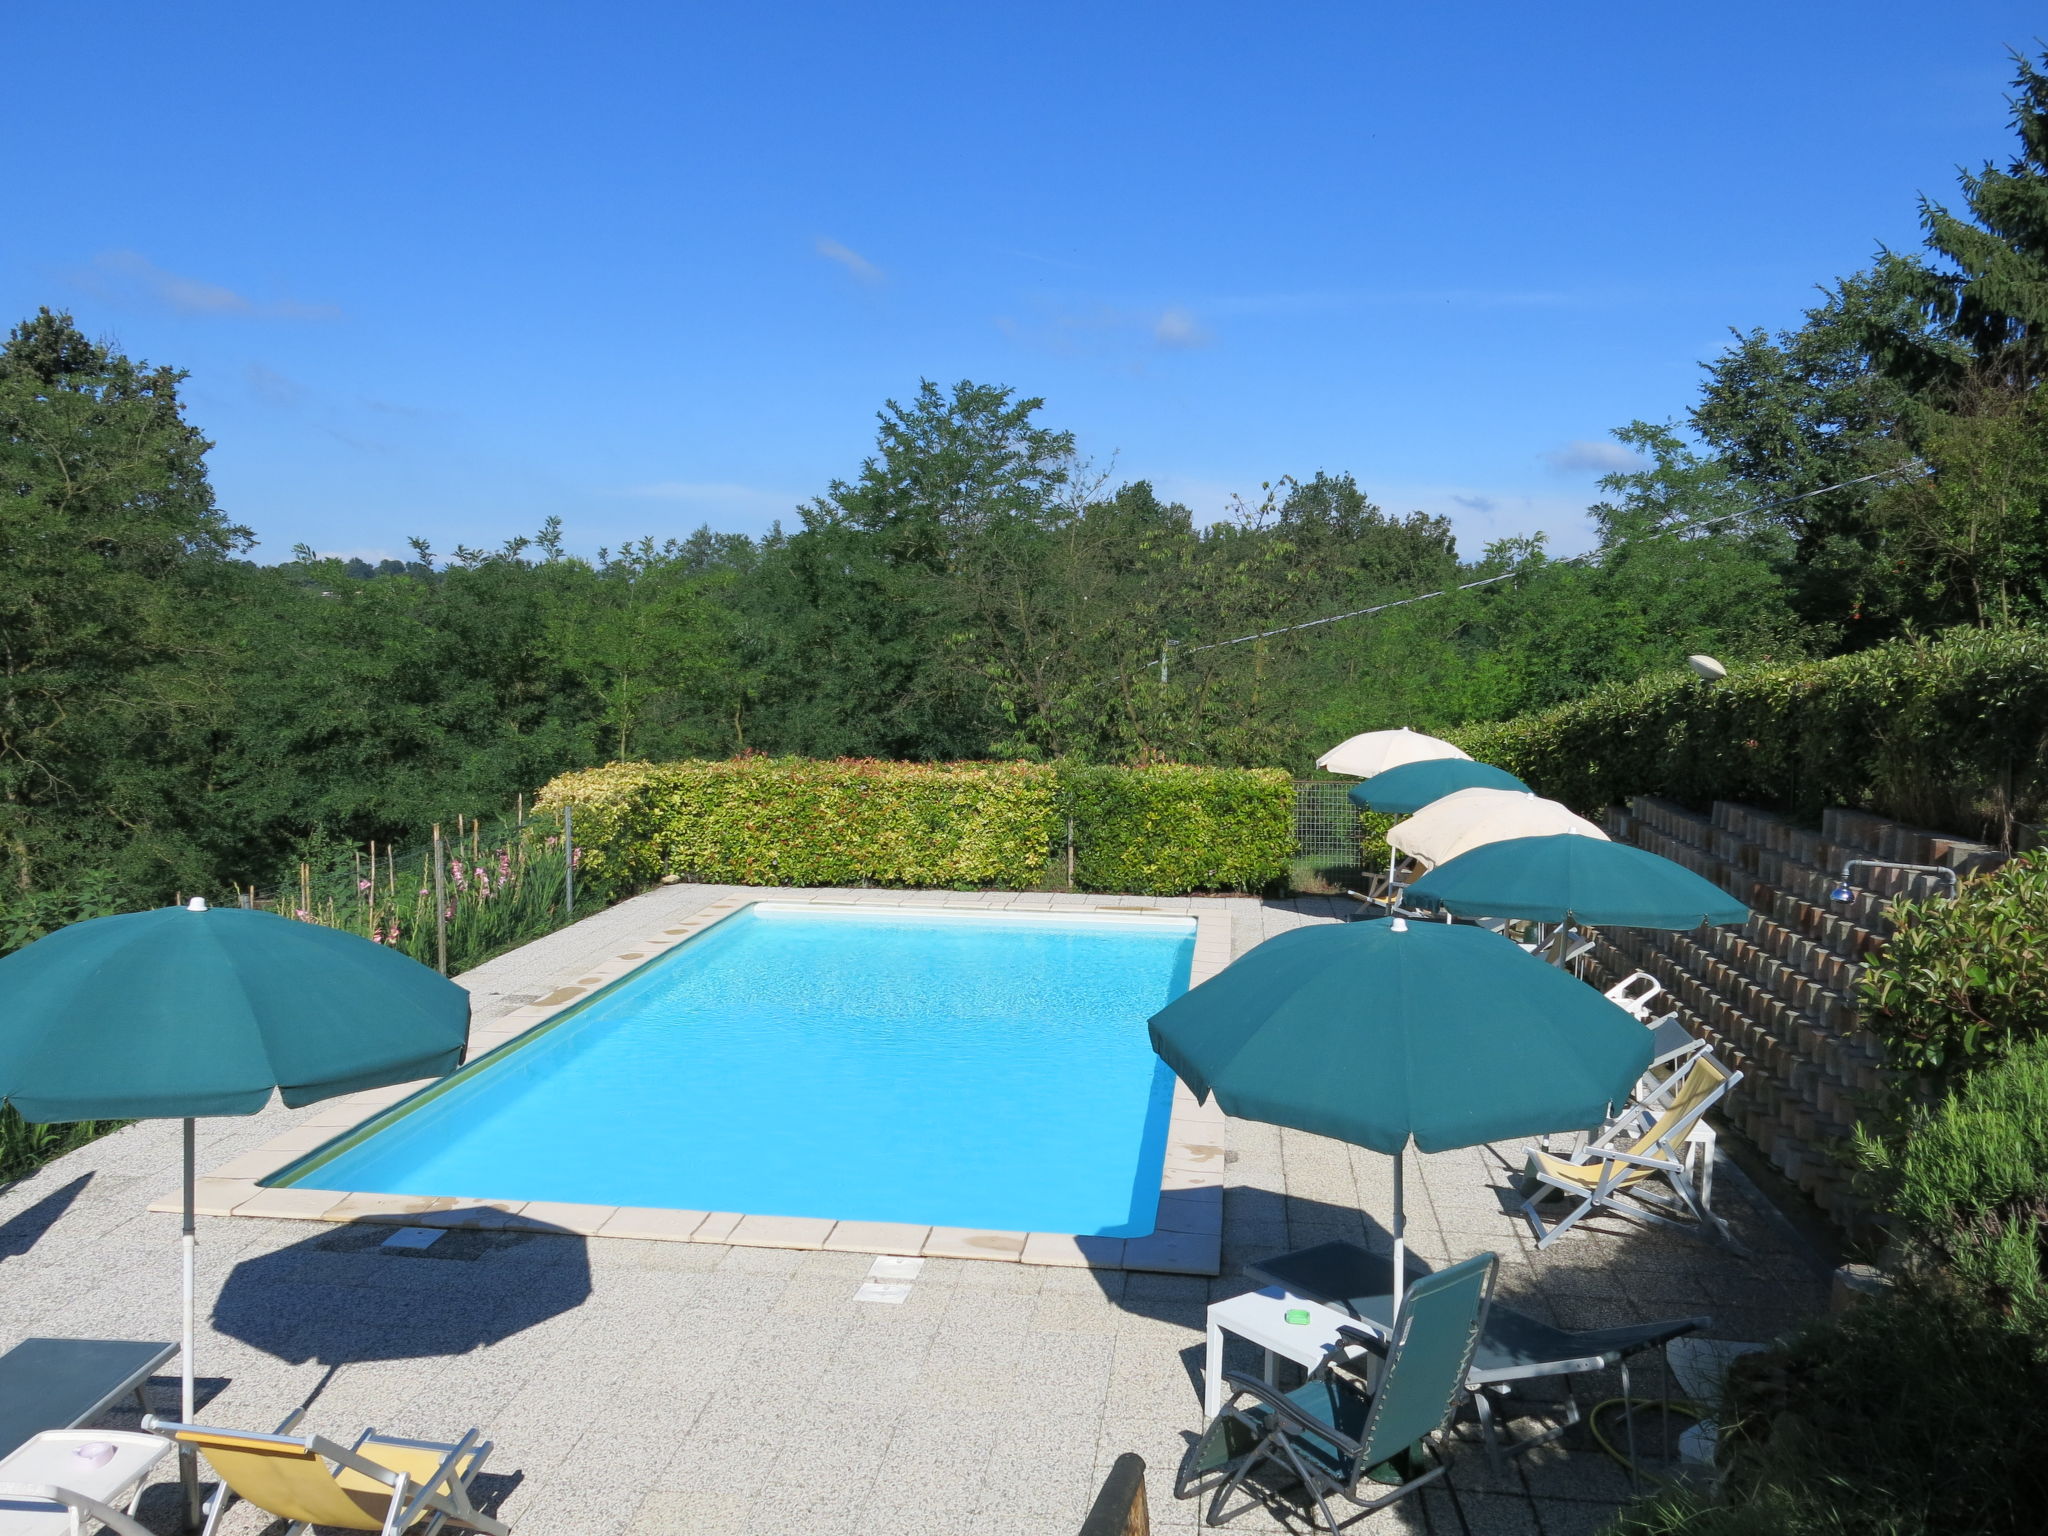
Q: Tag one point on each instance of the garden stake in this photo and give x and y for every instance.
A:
(568, 859)
(440, 904)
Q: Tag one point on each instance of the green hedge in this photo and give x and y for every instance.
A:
(1165, 829)
(798, 821)
(1949, 732)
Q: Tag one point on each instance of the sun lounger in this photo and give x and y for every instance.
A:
(380, 1483)
(62, 1383)
(1663, 1139)
(1335, 1437)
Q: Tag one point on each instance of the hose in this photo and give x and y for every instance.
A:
(1691, 1410)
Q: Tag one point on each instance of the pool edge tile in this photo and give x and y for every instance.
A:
(807, 1232)
(571, 1217)
(975, 1243)
(891, 1237)
(1069, 1250)
(1175, 1253)
(717, 1227)
(652, 1223)
(292, 1204)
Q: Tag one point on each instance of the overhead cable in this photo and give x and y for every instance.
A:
(1486, 581)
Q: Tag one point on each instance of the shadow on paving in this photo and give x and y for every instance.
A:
(23, 1230)
(341, 1298)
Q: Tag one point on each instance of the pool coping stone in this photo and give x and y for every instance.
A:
(1187, 1239)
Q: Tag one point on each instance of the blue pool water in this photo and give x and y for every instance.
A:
(943, 1069)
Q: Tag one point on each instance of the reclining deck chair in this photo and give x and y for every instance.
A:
(1332, 1434)
(1515, 1350)
(1663, 1137)
(378, 1484)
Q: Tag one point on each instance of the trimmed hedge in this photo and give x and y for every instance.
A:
(797, 821)
(1158, 830)
(1949, 732)
(1165, 829)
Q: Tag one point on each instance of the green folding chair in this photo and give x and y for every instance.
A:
(1333, 1435)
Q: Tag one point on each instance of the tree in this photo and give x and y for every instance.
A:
(111, 553)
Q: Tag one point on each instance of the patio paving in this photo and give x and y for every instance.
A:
(657, 1388)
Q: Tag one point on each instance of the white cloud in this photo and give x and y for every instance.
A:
(1476, 503)
(863, 270)
(130, 277)
(1177, 328)
(1590, 454)
(272, 387)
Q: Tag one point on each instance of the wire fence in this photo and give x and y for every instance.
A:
(1328, 849)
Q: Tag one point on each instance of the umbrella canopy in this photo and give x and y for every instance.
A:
(1376, 751)
(1445, 828)
(1408, 788)
(1383, 1033)
(176, 1012)
(1567, 878)
(193, 1010)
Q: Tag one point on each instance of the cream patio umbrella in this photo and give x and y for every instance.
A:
(1471, 818)
(1376, 751)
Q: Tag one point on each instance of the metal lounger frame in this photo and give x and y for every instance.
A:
(454, 1504)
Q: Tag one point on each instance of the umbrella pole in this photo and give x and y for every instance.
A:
(1400, 1237)
(188, 1460)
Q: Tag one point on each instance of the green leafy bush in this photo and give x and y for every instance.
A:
(1960, 980)
(1911, 1414)
(1166, 828)
(1159, 830)
(796, 821)
(1951, 732)
(26, 916)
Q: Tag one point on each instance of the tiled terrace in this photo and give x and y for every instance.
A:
(668, 1387)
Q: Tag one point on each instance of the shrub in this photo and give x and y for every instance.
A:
(1968, 1184)
(1949, 732)
(1960, 980)
(1911, 1414)
(1164, 829)
(795, 821)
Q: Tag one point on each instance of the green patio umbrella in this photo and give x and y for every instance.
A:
(1566, 879)
(1381, 1033)
(188, 1011)
(1408, 788)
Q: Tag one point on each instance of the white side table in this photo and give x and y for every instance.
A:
(1260, 1317)
(35, 1478)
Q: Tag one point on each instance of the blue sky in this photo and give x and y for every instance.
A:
(451, 269)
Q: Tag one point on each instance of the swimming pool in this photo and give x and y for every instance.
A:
(868, 1064)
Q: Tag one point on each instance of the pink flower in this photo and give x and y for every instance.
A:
(302, 914)
(362, 885)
